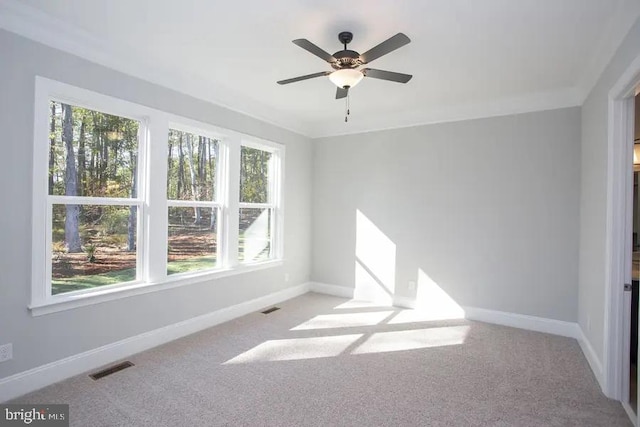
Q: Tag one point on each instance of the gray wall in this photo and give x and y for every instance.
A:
(593, 194)
(488, 209)
(38, 340)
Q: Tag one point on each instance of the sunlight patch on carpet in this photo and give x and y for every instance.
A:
(296, 349)
(414, 339)
(349, 320)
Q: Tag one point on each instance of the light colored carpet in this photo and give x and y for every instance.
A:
(323, 361)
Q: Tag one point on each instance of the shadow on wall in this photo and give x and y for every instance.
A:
(375, 275)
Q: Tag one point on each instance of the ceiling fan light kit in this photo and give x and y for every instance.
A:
(346, 64)
(346, 78)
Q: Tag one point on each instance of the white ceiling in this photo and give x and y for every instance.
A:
(469, 58)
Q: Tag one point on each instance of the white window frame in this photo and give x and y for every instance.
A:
(46, 91)
(151, 200)
(275, 202)
(221, 187)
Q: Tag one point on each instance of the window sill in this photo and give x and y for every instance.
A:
(68, 302)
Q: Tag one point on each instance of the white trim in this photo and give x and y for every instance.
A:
(46, 90)
(195, 127)
(527, 103)
(34, 379)
(155, 234)
(192, 204)
(275, 192)
(105, 201)
(533, 323)
(523, 321)
(616, 29)
(232, 192)
(404, 302)
(34, 24)
(619, 166)
(109, 293)
(591, 356)
(334, 290)
(245, 205)
(260, 144)
(632, 416)
(151, 201)
(278, 197)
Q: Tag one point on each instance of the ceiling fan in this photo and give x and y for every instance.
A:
(346, 63)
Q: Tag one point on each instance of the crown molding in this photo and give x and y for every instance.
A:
(616, 29)
(36, 25)
(541, 101)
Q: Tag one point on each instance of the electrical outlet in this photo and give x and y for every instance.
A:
(6, 352)
(286, 277)
(412, 286)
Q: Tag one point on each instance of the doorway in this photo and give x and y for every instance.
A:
(632, 319)
(620, 380)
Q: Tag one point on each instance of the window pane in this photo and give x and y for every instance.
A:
(191, 169)
(254, 175)
(92, 246)
(255, 234)
(192, 239)
(91, 153)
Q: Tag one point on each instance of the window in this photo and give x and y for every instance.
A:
(256, 214)
(129, 199)
(92, 199)
(193, 206)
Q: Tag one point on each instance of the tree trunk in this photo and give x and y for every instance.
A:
(71, 232)
(52, 146)
(82, 174)
(192, 173)
(133, 210)
(180, 168)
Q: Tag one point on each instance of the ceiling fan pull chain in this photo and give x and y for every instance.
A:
(348, 111)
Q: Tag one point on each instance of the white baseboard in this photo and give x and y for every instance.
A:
(523, 321)
(334, 290)
(42, 376)
(33, 379)
(592, 357)
(533, 323)
(404, 302)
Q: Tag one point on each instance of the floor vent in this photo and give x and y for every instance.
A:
(270, 310)
(111, 370)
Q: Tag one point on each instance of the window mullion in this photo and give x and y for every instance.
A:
(154, 180)
(278, 211)
(232, 202)
(192, 204)
(83, 200)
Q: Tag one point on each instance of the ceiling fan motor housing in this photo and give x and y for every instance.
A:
(346, 59)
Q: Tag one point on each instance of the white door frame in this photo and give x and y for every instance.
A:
(619, 217)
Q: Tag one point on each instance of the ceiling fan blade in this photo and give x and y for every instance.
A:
(312, 48)
(308, 76)
(342, 93)
(386, 75)
(385, 47)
